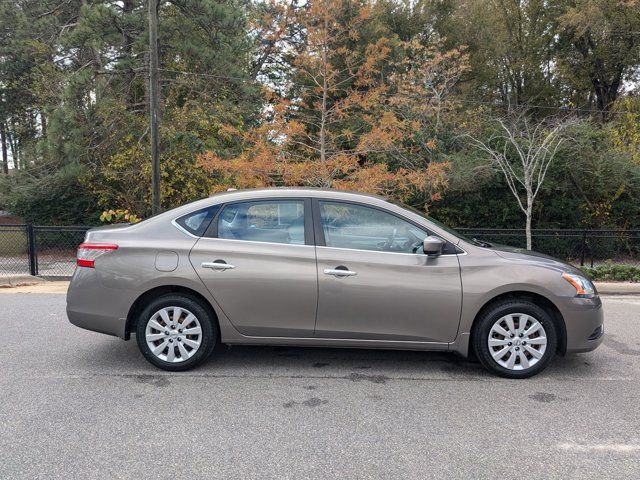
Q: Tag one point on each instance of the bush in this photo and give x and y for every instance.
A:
(613, 272)
(56, 199)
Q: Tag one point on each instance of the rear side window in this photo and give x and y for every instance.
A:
(196, 223)
(274, 221)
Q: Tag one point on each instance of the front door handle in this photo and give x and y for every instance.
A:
(339, 272)
(218, 265)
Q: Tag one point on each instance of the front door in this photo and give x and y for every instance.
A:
(258, 261)
(374, 282)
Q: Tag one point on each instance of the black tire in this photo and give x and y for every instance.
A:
(208, 324)
(482, 329)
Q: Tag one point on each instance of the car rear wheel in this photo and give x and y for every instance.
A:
(176, 332)
(515, 339)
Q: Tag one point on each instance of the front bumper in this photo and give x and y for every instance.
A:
(584, 322)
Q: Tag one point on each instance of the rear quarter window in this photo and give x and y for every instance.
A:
(196, 223)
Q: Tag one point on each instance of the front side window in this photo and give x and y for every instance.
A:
(359, 227)
(275, 221)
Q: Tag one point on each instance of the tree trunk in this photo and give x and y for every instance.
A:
(5, 156)
(323, 124)
(43, 123)
(529, 213)
(127, 48)
(323, 119)
(13, 145)
(96, 64)
(606, 95)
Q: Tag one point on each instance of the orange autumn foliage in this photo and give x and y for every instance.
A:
(346, 123)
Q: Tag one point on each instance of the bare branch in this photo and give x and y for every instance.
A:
(532, 148)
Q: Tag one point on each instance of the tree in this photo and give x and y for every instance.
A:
(358, 113)
(273, 25)
(511, 47)
(599, 46)
(523, 150)
(73, 90)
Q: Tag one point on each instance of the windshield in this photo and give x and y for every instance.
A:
(435, 222)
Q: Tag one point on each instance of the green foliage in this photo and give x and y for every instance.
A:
(604, 178)
(125, 180)
(613, 272)
(625, 127)
(511, 46)
(477, 196)
(55, 199)
(118, 216)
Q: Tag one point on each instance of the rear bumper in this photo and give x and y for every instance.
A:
(584, 321)
(97, 323)
(92, 306)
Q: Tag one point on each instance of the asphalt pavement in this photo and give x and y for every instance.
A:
(77, 404)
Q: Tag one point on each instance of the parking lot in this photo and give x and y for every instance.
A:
(77, 404)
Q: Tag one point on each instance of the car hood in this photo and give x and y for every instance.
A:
(522, 255)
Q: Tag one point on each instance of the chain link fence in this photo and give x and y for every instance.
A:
(55, 249)
(44, 251)
(14, 250)
(50, 252)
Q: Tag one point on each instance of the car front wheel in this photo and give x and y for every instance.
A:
(515, 339)
(176, 332)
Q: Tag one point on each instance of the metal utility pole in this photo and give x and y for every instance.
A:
(154, 106)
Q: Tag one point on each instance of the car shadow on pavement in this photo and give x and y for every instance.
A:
(374, 365)
(342, 361)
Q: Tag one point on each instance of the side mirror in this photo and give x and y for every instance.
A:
(432, 245)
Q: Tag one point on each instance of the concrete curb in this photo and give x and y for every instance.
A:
(19, 281)
(56, 287)
(617, 288)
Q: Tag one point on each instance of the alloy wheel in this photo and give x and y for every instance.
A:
(517, 341)
(173, 334)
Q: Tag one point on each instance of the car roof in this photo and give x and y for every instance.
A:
(293, 192)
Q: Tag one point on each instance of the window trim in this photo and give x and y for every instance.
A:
(319, 230)
(309, 238)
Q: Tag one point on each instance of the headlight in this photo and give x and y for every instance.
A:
(584, 288)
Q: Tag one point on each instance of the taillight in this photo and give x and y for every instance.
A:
(88, 252)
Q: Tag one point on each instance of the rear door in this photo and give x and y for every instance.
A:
(258, 261)
(375, 283)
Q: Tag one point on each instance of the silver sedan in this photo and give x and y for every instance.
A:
(326, 268)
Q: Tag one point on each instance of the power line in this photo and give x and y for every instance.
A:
(466, 101)
(552, 107)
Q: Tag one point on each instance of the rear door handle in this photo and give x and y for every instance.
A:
(218, 265)
(338, 272)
